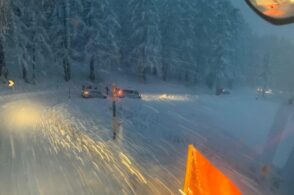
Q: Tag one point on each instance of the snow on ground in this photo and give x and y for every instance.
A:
(155, 131)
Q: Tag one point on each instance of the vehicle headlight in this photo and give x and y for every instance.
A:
(86, 93)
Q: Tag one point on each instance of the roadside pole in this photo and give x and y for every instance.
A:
(113, 108)
(114, 119)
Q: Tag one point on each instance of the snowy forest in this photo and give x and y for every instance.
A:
(191, 41)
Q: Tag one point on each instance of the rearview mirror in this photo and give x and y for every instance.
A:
(274, 11)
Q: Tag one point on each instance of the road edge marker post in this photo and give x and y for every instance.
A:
(11, 84)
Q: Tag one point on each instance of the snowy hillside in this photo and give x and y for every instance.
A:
(194, 42)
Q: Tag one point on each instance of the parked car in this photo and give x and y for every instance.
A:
(92, 92)
(122, 93)
(222, 91)
(131, 94)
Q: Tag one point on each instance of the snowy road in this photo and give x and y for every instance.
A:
(65, 146)
(45, 150)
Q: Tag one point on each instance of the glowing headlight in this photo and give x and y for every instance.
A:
(86, 93)
(269, 91)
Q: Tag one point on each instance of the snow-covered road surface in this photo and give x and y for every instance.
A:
(45, 150)
(50, 144)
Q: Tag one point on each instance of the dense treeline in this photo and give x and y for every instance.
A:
(194, 41)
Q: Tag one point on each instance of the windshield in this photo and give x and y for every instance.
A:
(104, 97)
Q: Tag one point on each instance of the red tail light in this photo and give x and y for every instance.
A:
(120, 93)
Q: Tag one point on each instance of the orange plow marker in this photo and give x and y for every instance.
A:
(203, 178)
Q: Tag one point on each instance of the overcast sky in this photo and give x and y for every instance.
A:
(260, 26)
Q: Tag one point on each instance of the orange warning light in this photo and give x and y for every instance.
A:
(120, 93)
(203, 178)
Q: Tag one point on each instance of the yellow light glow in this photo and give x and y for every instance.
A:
(22, 115)
(86, 93)
(11, 83)
(165, 97)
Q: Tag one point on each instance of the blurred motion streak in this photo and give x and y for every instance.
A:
(65, 136)
(203, 178)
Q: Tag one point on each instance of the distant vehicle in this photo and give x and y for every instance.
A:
(264, 91)
(92, 92)
(117, 92)
(222, 91)
(122, 93)
(132, 94)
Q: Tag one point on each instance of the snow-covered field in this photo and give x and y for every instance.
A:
(149, 155)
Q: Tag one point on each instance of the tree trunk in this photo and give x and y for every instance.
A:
(66, 63)
(144, 74)
(2, 58)
(24, 73)
(92, 69)
(164, 72)
(34, 48)
(186, 76)
(34, 63)
(66, 67)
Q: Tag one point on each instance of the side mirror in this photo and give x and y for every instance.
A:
(277, 12)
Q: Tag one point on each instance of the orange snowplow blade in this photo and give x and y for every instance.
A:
(203, 178)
